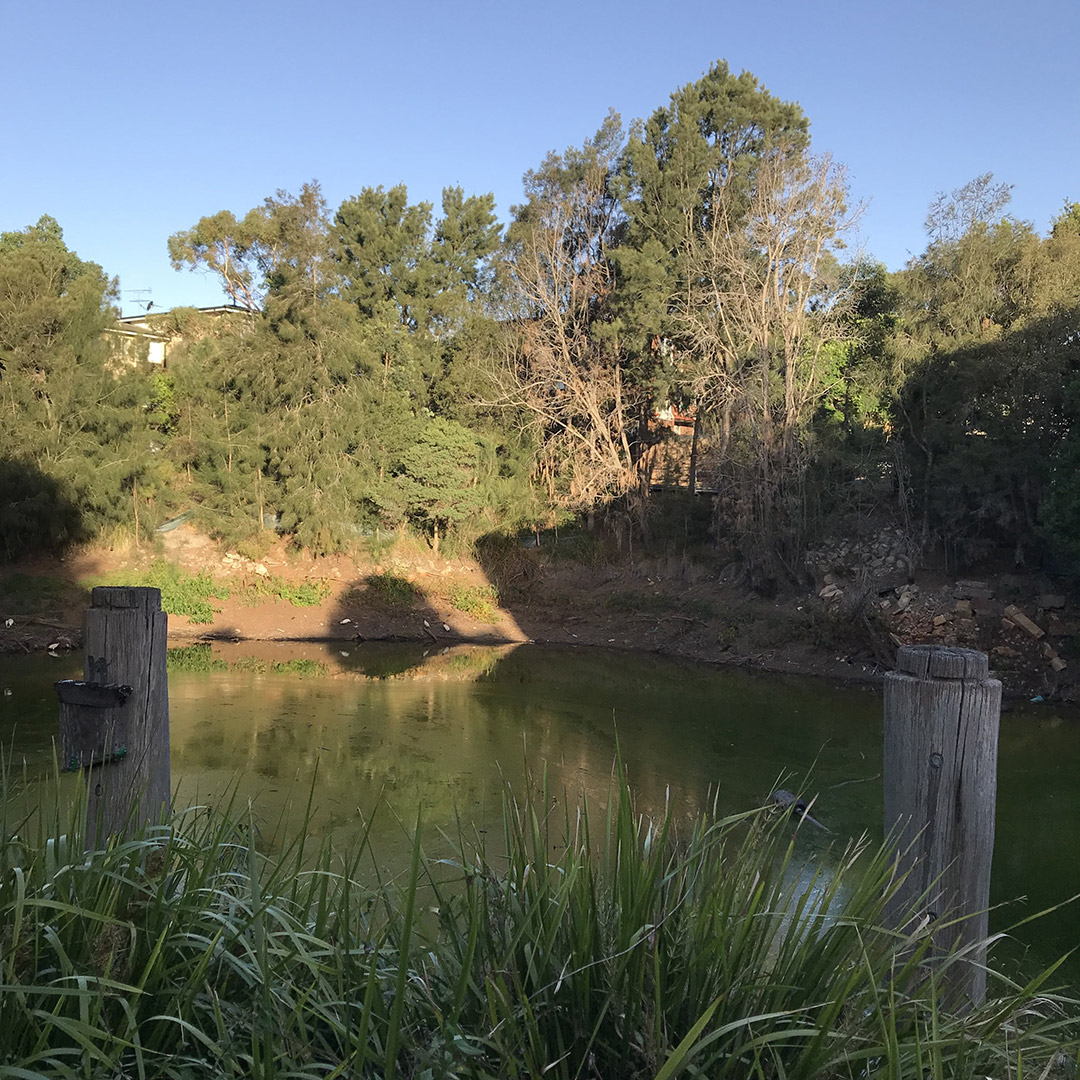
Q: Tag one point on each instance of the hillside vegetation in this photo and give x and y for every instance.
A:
(390, 364)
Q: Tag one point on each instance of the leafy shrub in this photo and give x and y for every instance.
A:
(478, 601)
(181, 593)
(391, 590)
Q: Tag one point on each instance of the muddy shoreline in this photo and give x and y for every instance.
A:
(838, 630)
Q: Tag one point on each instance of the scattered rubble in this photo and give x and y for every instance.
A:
(1013, 613)
(884, 554)
(1019, 635)
(233, 561)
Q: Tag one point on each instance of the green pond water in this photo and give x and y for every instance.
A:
(382, 730)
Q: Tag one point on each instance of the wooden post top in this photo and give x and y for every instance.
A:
(942, 662)
(125, 598)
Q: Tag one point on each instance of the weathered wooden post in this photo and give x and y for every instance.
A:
(942, 711)
(115, 724)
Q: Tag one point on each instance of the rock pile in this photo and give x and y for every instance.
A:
(233, 561)
(885, 555)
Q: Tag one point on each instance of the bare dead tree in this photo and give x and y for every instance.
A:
(562, 367)
(761, 301)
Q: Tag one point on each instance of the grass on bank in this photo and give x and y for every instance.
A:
(181, 593)
(28, 594)
(193, 595)
(595, 947)
(388, 589)
(480, 602)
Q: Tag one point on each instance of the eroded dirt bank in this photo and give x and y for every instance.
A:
(839, 628)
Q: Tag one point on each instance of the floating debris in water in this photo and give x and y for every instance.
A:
(798, 807)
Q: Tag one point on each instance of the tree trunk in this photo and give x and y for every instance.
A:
(692, 482)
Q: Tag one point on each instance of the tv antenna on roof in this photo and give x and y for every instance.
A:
(140, 297)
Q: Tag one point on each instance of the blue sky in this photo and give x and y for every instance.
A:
(128, 122)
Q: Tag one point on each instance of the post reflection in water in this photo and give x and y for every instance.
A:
(405, 727)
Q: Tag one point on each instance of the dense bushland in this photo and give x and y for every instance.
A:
(389, 365)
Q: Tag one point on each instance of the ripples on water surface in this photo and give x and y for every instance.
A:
(388, 726)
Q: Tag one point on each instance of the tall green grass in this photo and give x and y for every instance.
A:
(589, 947)
(181, 593)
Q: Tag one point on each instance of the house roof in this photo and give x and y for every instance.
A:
(146, 317)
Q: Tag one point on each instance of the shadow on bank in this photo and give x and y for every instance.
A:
(592, 583)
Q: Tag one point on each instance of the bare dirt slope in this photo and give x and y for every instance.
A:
(675, 606)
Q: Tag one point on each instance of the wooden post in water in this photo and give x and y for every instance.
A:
(115, 724)
(941, 736)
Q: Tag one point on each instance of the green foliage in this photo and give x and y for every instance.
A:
(76, 427)
(480, 602)
(322, 413)
(25, 594)
(711, 136)
(164, 411)
(275, 249)
(304, 594)
(399, 365)
(1059, 512)
(437, 476)
(181, 593)
(390, 590)
(605, 945)
(987, 430)
(401, 271)
(973, 381)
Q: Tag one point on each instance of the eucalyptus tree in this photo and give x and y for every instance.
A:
(728, 289)
(763, 298)
(271, 249)
(695, 157)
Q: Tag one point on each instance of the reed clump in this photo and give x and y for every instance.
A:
(586, 947)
